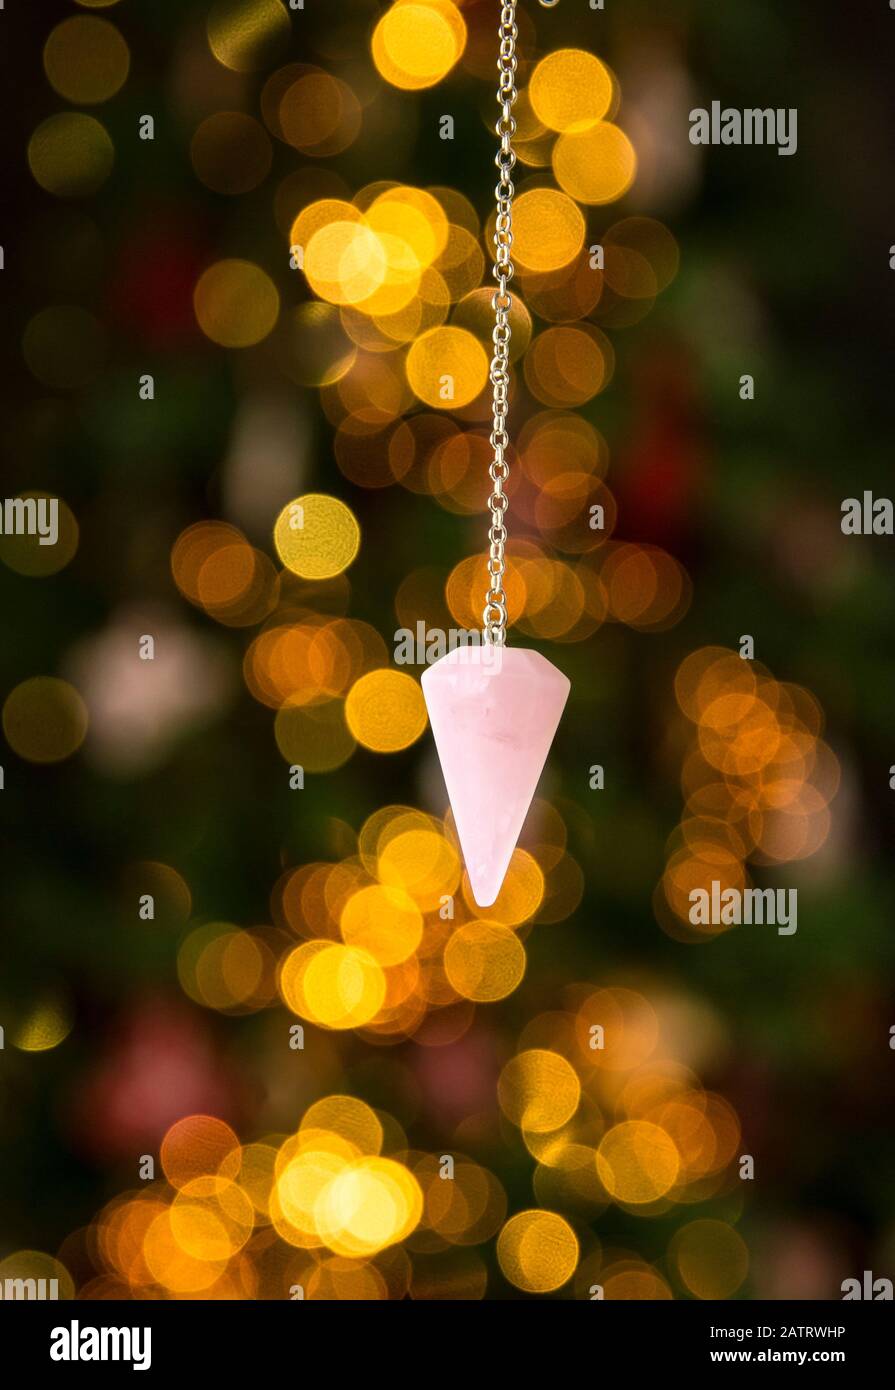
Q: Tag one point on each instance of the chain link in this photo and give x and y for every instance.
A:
(495, 613)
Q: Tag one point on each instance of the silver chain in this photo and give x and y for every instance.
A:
(495, 613)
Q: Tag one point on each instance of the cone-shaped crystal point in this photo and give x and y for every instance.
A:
(494, 711)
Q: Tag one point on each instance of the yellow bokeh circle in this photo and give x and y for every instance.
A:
(548, 229)
(596, 165)
(44, 1027)
(243, 34)
(71, 154)
(345, 262)
(422, 862)
(417, 42)
(447, 367)
(413, 215)
(539, 1090)
(313, 736)
(484, 961)
(537, 1251)
(35, 1264)
(384, 921)
(570, 90)
(637, 1162)
(86, 60)
(332, 985)
(316, 536)
(313, 217)
(236, 303)
(211, 1218)
(367, 1206)
(385, 711)
(349, 1118)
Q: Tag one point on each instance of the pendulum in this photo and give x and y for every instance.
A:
(493, 714)
(494, 709)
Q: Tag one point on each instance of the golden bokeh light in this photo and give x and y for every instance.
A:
(245, 34)
(318, 114)
(447, 367)
(317, 214)
(211, 1218)
(537, 1251)
(334, 986)
(304, 1167)
(36, 1265)
(236, 303)
(44, 1027)
(548, 229)
(628, 1029)
(174, 1268)
(227, 968)
(637, 1162)
(345, 262)
(597, 165)
(44, 720)
(457, 208)
(465, 1209)
(384, 921)
(569, 293)
(367, 1206)
(415, 855)
(629, 1279)
(71, 155)
(343, 1280)
(349, 1118)
(311, 663)
(641, 257)
(645, 587)
(199, 545)
(371, 395)
(460, 264)
(86, 60)
(316, 536)
(566, 366)
(414, 216)
(468, 581)
(757, 782)
(385, 711)
(417, 42)
(314, 737)
(196, 1146)
(570, 90)
(484, 961)
(539, 1090)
